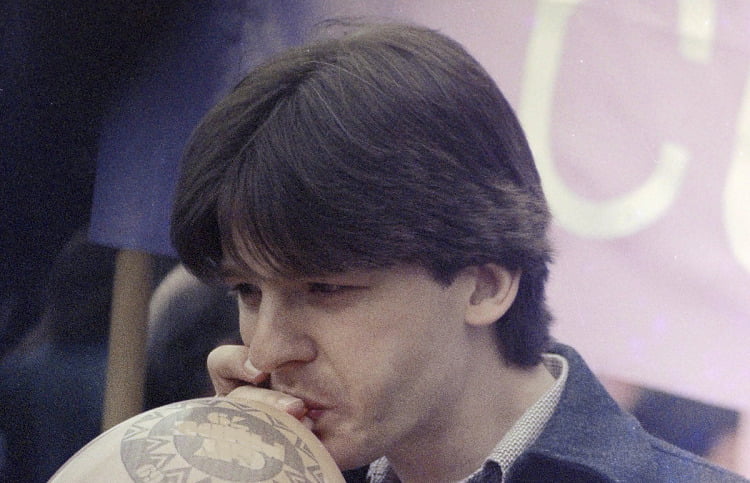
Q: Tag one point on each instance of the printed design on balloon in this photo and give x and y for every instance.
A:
(214, 440)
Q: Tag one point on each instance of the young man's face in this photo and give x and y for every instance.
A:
(378, 356)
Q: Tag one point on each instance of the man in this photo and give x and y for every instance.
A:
(373, 202)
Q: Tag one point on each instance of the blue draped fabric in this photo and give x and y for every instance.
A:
(202, 54)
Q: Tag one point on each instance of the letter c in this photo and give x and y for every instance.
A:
(613, 218)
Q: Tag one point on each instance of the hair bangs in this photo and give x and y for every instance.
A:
(273, 211)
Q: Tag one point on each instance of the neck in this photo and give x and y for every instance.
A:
(489, 399)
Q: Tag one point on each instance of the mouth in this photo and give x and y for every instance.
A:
(314, 416)
(314, 408)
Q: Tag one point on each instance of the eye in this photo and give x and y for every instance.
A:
(245, 289)
(326, 288)
(248, 293)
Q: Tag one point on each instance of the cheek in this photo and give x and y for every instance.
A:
(388, 354)
(384, 368)
(246, 324)
(365, 365)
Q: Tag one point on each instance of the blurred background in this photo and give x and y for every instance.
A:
(638, 113)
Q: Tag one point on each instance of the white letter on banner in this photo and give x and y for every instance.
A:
(619, 216)
(697, 24)
(737, 188)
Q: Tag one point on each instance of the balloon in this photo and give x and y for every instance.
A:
(204, 440)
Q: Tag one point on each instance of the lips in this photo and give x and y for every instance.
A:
(314, 409)
(315, 413)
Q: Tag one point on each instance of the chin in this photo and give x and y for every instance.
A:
(346, 452)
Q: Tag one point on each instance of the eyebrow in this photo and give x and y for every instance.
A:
(232, 269)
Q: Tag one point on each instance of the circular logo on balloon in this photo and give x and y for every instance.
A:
(211, 440)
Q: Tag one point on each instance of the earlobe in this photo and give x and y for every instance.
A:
(495, 289)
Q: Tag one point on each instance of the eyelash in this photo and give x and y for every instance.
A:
(244, 289)
(248, 290)
(326, 288)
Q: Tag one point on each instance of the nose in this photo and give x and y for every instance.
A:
(274, 332)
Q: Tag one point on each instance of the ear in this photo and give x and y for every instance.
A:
(495, 289)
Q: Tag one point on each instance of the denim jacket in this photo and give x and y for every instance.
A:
(589, 438)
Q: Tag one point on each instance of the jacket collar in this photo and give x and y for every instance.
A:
(588, 435)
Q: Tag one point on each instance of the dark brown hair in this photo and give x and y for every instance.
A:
(387, 145)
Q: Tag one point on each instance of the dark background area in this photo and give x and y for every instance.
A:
(61, 64)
